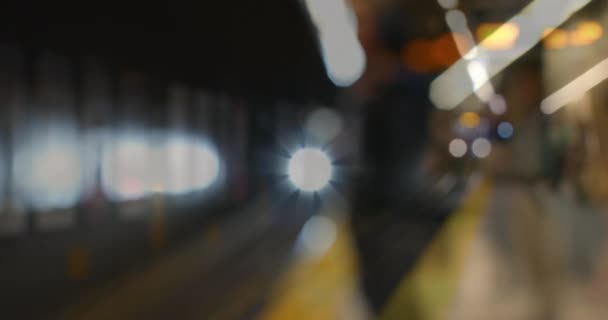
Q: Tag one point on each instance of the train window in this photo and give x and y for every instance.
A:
(193, 166)
(124, 177)
(49, 165)
(179, 97)
(48, 189)
(221, 137)
(12, 95)
(96, 120)
(203, 110)
(240, 154)
(176, 153)
(323, 125)
(126, 157)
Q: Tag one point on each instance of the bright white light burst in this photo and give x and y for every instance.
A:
(309, 170)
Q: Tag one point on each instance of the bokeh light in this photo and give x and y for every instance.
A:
(469, 120)
(586, 33)
(556, 39)
(458, 24)
(309, 170)
(448, 4)
(497, 36)
(481, 147)
(458, 148)
(481, 80)
(318, 235)
(498, 105)
(505, 130)
(324, 124)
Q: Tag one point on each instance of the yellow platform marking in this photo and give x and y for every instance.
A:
(326, 288)
(319, 289)
(428, 292)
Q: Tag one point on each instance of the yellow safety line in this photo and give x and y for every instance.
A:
(427, 293)
(320, 289)
(326, 288)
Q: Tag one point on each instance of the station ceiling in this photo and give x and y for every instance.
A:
(257, 49)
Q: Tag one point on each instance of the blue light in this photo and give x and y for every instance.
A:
(505, 130)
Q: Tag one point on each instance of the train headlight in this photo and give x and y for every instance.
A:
(309, 170)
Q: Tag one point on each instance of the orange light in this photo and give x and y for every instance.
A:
(415, 55)
(557, 39)
(470, 120)
(548, 32)
(445, 50)
(497, 36)
(432, 55)
(586, 33)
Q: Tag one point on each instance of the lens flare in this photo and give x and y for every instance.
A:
(309, 170)
(344, 57)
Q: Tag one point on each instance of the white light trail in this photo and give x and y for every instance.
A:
(458, 24)
(463, 37)
(342, 53)
(481, 81)
(448, 4)
(449, 90)
(309, 170)
(576, 89)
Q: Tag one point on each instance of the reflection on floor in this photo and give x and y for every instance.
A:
(325, 287)
(428, 292)
(513, 251)
(320, 285)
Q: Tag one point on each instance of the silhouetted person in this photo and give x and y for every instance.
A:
(394, 214)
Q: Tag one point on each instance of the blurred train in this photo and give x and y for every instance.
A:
(101, 168)
(120, 139)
